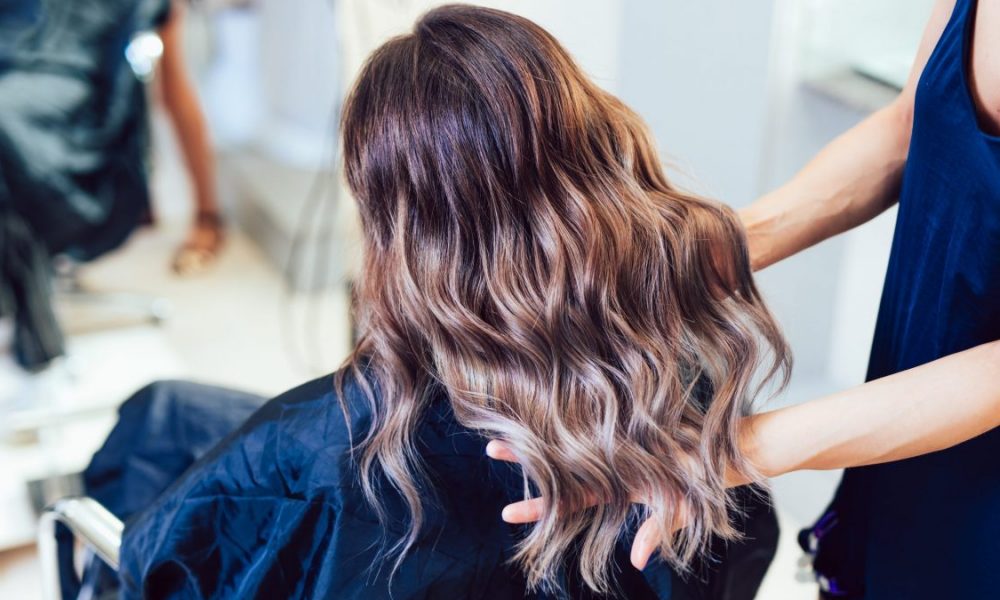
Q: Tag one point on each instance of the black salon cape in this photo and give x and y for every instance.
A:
(73, 145)
(276, 511)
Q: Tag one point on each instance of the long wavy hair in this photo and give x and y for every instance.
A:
(527, 258)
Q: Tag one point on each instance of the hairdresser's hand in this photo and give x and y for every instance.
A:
(529, 511)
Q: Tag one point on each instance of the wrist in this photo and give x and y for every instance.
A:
(754, 448)
(755, 223)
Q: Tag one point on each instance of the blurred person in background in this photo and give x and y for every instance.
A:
(74, 146)
(206, 236)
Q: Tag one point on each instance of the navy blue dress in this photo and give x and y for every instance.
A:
(929, 527)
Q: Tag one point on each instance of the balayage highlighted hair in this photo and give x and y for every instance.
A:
(526, 258)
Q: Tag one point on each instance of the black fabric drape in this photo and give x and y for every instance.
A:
(73, 140)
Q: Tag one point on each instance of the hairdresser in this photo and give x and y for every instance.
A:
(926, 527)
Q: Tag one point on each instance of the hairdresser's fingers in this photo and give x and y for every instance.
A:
(500, 451)
(644, 545)
(647, 540)
(525, 511)
(529, 511)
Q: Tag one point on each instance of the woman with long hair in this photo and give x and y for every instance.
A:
(530, 274)
(528, 262)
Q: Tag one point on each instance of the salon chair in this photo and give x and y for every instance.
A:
(163, 428)
(90, 523)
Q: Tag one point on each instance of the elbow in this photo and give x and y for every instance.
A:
(993, 358)
(901, 111)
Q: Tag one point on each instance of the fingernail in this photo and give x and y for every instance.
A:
(640, 552)
(491, 449)
(507, 514)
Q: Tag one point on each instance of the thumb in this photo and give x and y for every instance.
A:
(644, 544)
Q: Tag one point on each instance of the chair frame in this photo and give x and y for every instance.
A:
(90, 523)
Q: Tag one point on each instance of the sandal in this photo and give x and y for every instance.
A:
(203, 246)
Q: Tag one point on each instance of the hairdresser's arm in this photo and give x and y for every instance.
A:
(853, 179)
(922, 410)
(918, 411)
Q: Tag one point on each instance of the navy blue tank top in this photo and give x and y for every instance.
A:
(929, 527)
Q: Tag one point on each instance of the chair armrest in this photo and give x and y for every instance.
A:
(90, 522)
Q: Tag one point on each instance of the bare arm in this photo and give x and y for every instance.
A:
(849, 182)
(915, 412)
(181, 102)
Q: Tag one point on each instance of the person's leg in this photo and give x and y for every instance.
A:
(181, 101)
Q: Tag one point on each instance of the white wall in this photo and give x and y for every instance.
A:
(720, 84)
(698, 74)
(589, 29)
(803, 290)
(309, 56)
(301, 80)
(709, 78)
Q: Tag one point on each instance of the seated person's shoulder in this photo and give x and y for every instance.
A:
(280, 478)
(296, 445)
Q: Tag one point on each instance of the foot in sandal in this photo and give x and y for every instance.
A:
(202, 247)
